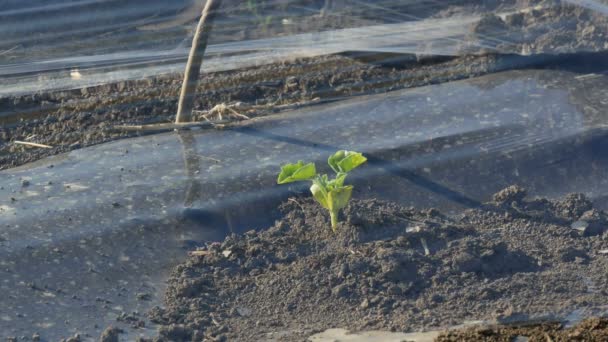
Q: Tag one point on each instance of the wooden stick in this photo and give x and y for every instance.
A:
(239, 115)
(199, 253)
(167, 126)
(9, 50)
(27, 143)
(195, 59)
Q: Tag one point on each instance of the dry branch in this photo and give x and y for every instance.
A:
(167, 126)
(195, 59)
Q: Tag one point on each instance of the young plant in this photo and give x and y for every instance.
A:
(332, 194)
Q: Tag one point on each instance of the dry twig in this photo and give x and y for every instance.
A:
(5, 52)
(27, 143)
(222, 110)
(167, 126)
(199, 253)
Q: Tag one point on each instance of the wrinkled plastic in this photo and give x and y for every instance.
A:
(72, 44)
(102, 193)
(135, 206)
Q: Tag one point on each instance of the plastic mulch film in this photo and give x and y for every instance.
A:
(481, 200)
(71, 44)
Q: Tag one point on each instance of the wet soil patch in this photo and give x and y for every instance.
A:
(594, 329)
(391, 268)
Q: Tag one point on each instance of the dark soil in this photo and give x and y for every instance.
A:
(68, 120)
(511, 260)
(594, 329)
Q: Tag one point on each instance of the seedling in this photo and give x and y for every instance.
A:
(332, 194)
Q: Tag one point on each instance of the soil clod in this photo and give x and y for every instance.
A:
(111, 334)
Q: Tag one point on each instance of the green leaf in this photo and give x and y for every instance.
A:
(324, 180)
(344, 161)
(319, 194)
(335, 159)
(338, 182)
(338, 198)
(296, 172)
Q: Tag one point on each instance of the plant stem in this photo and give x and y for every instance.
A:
(334, 219)
(195, 59)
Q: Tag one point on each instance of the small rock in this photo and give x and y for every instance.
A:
(243, 311)
(340, 291)
(110, 334)
(596, 222)
(343, 272)
(510, 194)
(591, 215)
(255, 272)
(488, 25)
(587, 228)
(143, 296)
(75, 338)
(291, 83)
(579, 225)
(364, 304)
(175, 332)
(580, 260)
(375, 300)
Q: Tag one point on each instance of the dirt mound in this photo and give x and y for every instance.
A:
(549, 27)
(390, 268)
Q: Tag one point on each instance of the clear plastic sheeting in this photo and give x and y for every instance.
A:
(67, 73)
(127, 209)
(71, 44)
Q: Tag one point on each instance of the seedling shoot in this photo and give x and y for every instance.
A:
(332, 194)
